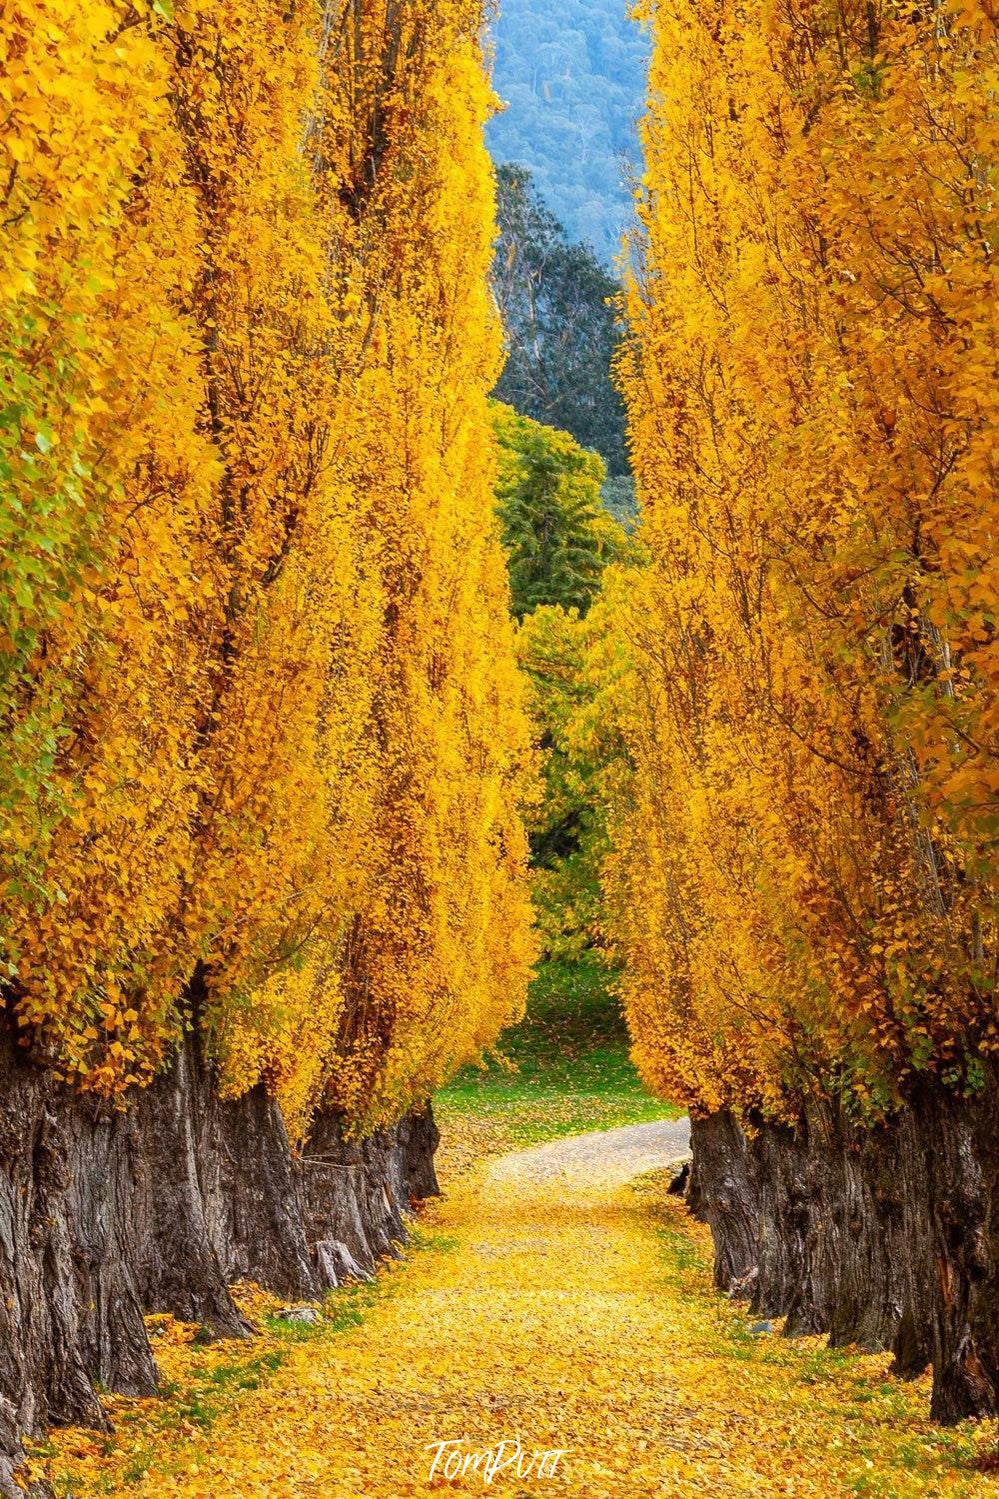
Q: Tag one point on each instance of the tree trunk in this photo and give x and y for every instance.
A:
(357, 1192)
(884, 1237)
(723, 1194)
(105, 1215)
(421, 1138)
(863, 1223)
(955, 1145)
(984, 1271)
(784, 1281)
(69, 1311)
(218, 1198)
(174, 1142)
(811, 1220)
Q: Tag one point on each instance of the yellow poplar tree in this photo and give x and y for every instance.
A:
(439, 948)
(262, 729)
(804, 873)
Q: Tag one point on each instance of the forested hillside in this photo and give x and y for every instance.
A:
(573, 78)
(562, 324)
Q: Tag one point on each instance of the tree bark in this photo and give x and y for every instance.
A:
(723, 1194)
(421, 1138)
(862, 1226)
(218, 1198)
(174, 1142)
(69, 1310)
(955, 1145)
(883, 1237)
(356, 1193)
(105, 1215)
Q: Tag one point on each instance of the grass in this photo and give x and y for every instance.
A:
(564, 1070)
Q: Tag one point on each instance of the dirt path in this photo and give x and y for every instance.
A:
(560, 1313)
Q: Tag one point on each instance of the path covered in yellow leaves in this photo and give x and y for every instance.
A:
(569, 1308)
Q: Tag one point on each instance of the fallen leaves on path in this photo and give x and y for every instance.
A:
(563, 1305)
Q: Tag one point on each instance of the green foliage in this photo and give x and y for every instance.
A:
(557, 535)
(49, 524)
(559, 310)
(621, 500)
(559, 540)
(567, 829)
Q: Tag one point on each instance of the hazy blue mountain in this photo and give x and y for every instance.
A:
(572, 73)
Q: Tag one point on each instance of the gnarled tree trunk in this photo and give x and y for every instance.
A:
(955, 1145)
(69, 1309)
(886, 1237)
(357, 1192)
(218, 1198)
(421, 1137)
(107, 1214)
(723, 1194)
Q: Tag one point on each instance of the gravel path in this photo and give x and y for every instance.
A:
(615, 1155)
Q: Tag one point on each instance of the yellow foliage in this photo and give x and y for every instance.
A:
(262, 731)
(805, 867)
(437, 959)
(102, 669)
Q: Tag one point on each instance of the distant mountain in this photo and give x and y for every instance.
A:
(572, 73)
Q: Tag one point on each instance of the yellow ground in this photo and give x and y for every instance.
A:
(570, 1309)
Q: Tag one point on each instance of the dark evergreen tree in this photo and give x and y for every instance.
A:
(559, 308)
